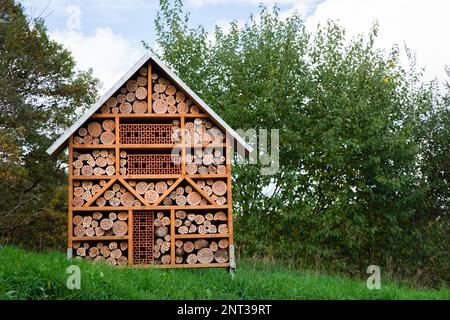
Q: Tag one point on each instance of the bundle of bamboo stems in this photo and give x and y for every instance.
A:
(131, 98)
(95, 163)
(194, 223)
(201, 251)
(113, 253)
(161, 249)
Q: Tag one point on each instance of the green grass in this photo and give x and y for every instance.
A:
(25, 275)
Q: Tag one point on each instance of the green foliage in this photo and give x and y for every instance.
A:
(364, 143)
(32, 276)
(40, 92)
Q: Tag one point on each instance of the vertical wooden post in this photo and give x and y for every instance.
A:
(184, 146)
(172, 236)
(117, 149)
(69, 202)
(149, 87)
(230, 191)
(130, 237)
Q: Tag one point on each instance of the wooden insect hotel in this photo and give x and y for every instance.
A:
(150, 175)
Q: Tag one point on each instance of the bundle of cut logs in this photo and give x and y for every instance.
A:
(96, 133)
(117, 196)
(96, 163)
(132, 98)
(185, 196)
(112, 253)
(149, 190)
(167, 99)
(161, 248)
(216, 190)
(209, 223)
(201, 251)
(99, 224)
(205, 161)
(202, 131)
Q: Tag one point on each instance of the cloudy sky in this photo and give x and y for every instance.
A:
(106, 34)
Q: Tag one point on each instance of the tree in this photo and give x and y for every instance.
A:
(40, 92)
(348, 189)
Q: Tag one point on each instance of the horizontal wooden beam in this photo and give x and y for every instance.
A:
(152, 208)
(202, 236)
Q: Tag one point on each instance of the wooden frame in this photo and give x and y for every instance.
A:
(178, 178)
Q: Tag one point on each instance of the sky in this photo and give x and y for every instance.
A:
(106, 35)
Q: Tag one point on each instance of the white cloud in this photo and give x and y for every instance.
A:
(108, 54)
(421, 25)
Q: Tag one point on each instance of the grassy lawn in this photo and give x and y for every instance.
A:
(25, 275)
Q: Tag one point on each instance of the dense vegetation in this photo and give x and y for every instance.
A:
(364, 158)
(27, 275)
(39, 94)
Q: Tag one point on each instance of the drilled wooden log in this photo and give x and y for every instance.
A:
(179, 251)
(205, 256)
(221, 256)
(122, 216)
(201, 244)
(223, 244)
(141, 93)
(77, 202)
(106, 224)
(194, 198)
(193, 229)
(183, 230)
(192, 259)
(188, 247)
(77, 220)
(180, 214)
(165, 259)
(76, 245)
(120, 228)
(132, 85)
(178, 243)
(105, 251)
(214, 246)
(109, 125)
(199, 219)
(101, 202)
(161, 231)
(123, 245)
(223, 229)
(140, 107)
(122, 261)
(99, 232)
(151, 196)
(161, 187)
(79, 231)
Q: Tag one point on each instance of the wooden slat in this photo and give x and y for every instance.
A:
(183, 142)
(230, 191)
(199, 190)
(70, 204)
(117, 149)
(147, 146)
(94, 147)
(172, 237)
(152, 208)
(168, 192)
(93, 177)
(140, 116)
(98, 194)
(183, 266)
(149, 87)
(151, 177)
(202, 236)
(208, 176)
(130, 237)
(111, 238)
(134, 192)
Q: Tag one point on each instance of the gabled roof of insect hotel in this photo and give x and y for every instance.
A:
(61, 143)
